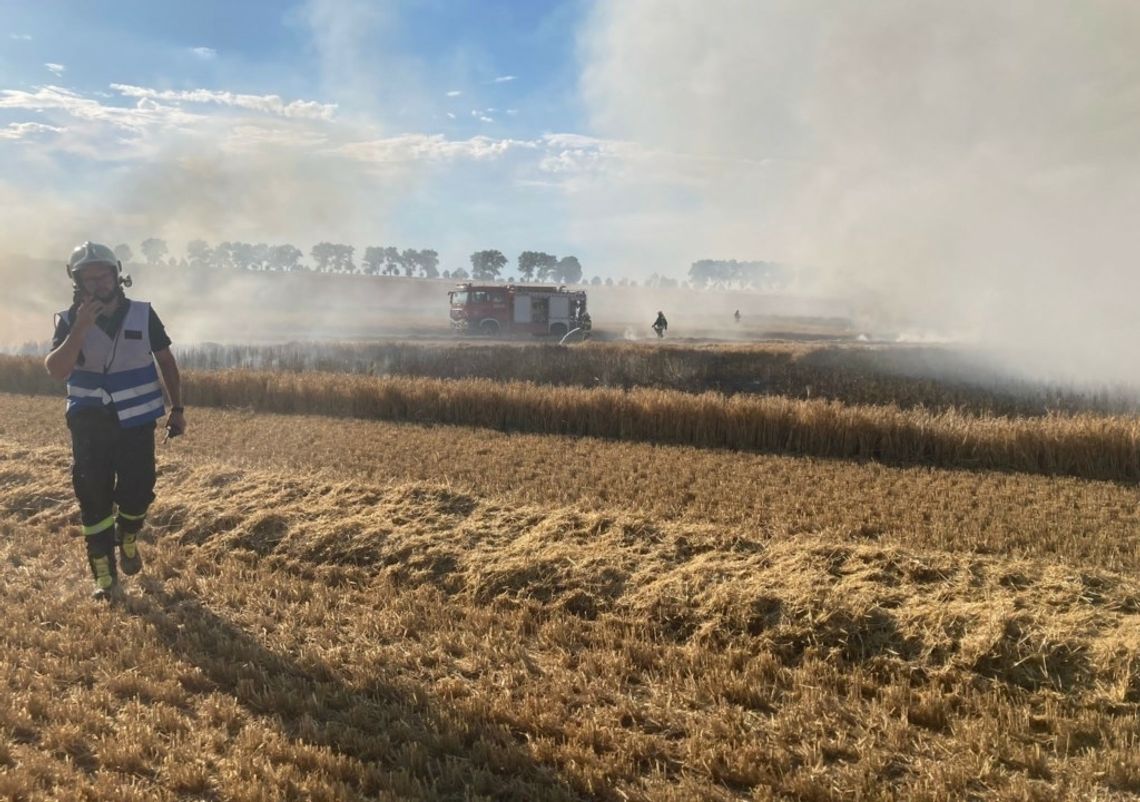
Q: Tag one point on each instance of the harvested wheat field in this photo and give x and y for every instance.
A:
(357, 609)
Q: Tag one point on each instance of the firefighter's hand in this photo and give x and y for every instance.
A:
(87, 312)
(175, 423)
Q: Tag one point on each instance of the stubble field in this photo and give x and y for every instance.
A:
(351, 608)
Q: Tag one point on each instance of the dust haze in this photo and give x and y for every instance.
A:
(964, 169)
(960, 171)
(272, 192)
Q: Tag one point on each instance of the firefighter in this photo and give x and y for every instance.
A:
(660, 324)
(106, 347)
(736, 316)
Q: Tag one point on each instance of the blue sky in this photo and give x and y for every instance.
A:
(452, 124)
(496, 54)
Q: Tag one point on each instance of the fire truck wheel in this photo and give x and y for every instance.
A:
(489, 327)
(558, 330)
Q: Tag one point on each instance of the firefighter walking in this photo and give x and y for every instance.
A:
(660, 325)
(106, 347)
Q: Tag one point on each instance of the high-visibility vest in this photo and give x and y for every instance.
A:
(118, 370)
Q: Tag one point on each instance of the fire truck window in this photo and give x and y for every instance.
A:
(459, 298)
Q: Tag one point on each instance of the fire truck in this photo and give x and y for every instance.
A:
(495, 309)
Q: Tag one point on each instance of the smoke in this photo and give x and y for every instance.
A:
(230, 180)
(950, 169)
(252, 172)
(953, 167)
(245, 184)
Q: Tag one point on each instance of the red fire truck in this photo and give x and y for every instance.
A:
(493, 309)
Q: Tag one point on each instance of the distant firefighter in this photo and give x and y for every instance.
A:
(660, 324)
(736, 315)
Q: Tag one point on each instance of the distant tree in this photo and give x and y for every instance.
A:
(392, 261)
(569, 270)
(223, 255)
(596, 280)
(323, 254)
(429, 263)
(623, 282)
(124, 253)
(409, 260)
(446, 274)
(486, 265)
(284, 257)
(701, 273)
(528, 263)
(241, 254)
(153, 250)
(731, 274)
(342, 258)
(460, 274)
(609, 282)
(547, 267)
(199, 253)
(259, 257)
(373, 260)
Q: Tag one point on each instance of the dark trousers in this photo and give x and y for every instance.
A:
(112, 467)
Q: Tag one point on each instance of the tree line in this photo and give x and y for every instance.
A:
(730, 274)
(332, 257)
(486, 265)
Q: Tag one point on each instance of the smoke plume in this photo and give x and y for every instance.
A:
(967, 168)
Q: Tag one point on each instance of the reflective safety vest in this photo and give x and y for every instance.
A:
(118, 370)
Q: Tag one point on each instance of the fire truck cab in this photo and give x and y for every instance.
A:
(494, 309)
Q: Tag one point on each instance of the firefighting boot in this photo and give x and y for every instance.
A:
(101, 558)
(130, 559)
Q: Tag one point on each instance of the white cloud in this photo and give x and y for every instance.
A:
(454, 93)
(204, 53)
(485, 119)
(572, 141)
(57, 99)
(23, 37)
(432, 148)
(451, 115)
(48, 98)
(502, 79)
(58, 69)
(268, 104)
(24, 130)
(574, 155)
(97, 133)
(564, 158)
(245, 137)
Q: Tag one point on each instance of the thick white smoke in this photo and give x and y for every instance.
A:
(962, 167)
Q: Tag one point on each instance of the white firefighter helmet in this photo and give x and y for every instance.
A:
(90, 254)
